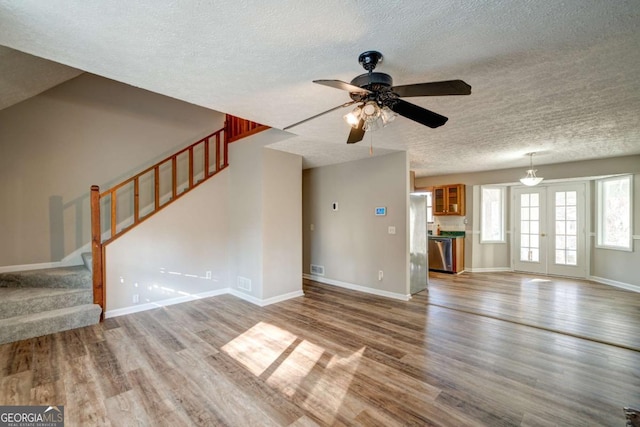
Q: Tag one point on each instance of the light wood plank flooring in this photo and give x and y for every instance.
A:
(476, 350)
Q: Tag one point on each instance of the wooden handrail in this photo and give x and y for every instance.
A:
(234, 129)
(241, 128)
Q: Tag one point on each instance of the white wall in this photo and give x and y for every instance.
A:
(86, 131)
(352, 243)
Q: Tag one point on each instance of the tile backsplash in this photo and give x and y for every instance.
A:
(448, 223)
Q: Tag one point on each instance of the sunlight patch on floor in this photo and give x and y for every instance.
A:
(259, 347)
(302, 370)
(331, 387)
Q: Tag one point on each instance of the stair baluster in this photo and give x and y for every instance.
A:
(235, 128)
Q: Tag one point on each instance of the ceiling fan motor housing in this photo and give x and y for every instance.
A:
(375, 82)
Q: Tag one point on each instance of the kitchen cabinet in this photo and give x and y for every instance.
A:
(449, 200)
(458, 255)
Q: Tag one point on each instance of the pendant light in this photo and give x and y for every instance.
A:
(531, 179)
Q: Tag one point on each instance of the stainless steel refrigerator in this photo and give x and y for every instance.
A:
(419, 264)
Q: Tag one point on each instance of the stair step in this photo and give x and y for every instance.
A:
(22, 301)
(87, 259)
(63, 277)
(48, 322)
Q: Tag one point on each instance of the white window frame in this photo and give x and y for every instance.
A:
(503, 209)
(600, 208)
(429, 197)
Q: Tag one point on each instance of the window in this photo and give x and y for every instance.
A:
(614, 212)
(429, 207)
(492, 223)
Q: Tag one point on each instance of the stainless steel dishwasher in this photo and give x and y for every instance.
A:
(440, 253)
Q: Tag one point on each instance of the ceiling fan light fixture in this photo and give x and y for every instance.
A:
(530, 179)
(371, 111)
(387, 115)
(353, 118)
(371, 125)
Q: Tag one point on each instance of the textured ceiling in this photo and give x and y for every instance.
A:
(558, 78)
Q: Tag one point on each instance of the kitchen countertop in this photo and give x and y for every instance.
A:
(452, 234)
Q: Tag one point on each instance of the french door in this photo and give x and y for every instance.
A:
(549, 233)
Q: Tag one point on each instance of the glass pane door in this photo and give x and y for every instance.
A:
(549, 230)
(530, 244)
(567, 235)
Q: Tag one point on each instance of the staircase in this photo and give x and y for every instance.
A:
(41, 302)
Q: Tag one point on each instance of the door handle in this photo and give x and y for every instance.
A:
(543, 234)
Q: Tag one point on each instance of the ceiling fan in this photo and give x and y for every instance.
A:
(379, 101)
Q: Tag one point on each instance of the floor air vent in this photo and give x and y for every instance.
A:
(317, 270)
(244, 283)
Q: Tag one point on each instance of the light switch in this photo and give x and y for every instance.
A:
(392, 229)
(312, 227)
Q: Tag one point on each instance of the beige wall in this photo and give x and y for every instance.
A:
(265, 205)
(54, 146)
(616, 267)
(352, 243)
(245, 222)
(281, 223)
(179, 253)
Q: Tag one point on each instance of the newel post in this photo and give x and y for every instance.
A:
(96, 250)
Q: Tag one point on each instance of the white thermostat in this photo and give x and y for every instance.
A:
(381, 211)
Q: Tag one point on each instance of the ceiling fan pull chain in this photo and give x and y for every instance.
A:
(370, 143)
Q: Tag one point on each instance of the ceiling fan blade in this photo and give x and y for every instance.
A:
(339, 84)
(418, 114)
(356, 134)
(448, 87)
(346, 104)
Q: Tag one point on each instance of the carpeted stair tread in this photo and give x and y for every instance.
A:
(21, 301)
(62, 277)
(48, 322)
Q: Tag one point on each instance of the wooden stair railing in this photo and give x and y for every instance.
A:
(165, 183)
(241, 128)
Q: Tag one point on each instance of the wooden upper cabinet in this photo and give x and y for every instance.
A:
(449, 200)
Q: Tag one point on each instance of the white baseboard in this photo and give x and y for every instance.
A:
(171, 301)
(27, 267)
(358, 288)
(73, 259)
(268, 301)
(622, 285)
(488, 269)
(163, 303)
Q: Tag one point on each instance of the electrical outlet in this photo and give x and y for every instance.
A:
(380, 274)
(136, 298)
(207, 274)
(312, 227)
(392, 229)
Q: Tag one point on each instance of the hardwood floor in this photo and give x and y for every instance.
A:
(477, 350)
(574, 307)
